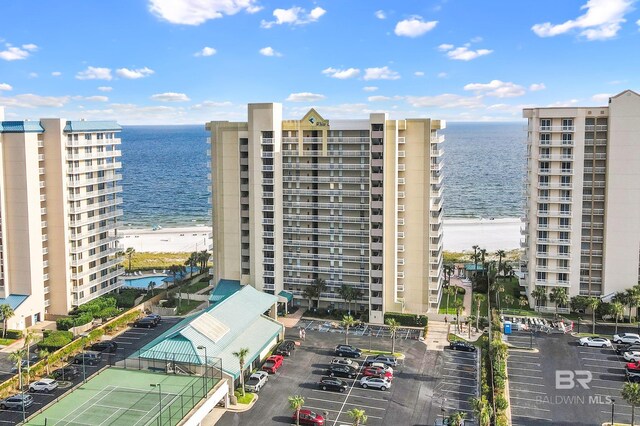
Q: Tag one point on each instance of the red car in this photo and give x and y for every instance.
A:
(272, 363)
(633, 366)
(308, 417)
(377, 372)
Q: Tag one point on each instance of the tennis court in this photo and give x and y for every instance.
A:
(118, 397)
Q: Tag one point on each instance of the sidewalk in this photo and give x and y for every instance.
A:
(291, 320)
(467, 295)
(437, 335)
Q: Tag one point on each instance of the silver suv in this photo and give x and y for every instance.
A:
(16, 401)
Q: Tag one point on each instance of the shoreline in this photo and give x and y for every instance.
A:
(460, 234)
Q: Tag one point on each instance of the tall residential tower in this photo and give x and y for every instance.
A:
(582, 221)
(59, 204)
(355, 202)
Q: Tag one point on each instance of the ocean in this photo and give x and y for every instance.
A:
(165, 168)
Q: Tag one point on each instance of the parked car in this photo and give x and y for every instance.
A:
(375, 382)
(599, 342)
(381, 365)
(256, 381)
(105, 346)
(16, 401)
(285, 348)
(632, 374)
(273, 363)
(384, 359)
(461, 346)
(348, 351)
(377, 372)
(345, 361)
(332, 383)
(145, 322)
(308, 417)
(340, 370)
(24, 364)
(626, 338)
(43, 385)
(633, 366)
(155, 317)
(627, 347)
(632, 356)
(88, 358)
(69, 372)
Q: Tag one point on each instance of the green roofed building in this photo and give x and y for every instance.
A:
(244, 318)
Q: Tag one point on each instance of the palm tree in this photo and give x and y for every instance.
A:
(191, 262)
(349, 294)
(540, 295)
(321, 286)
(241, 354)
(17, 358)
(203, 259)
(393, 329)
(175, 270)
(617, 310)
(501, 254)
(129, 252)
(6, 312)
(483, 253)
(478, 298)
(359, 417)
(508, 299)
(592, 303)
(633, 295)
(151, 286)
(523, 302)
(559, 296)
(450, 291)
(347, 321)
(495, 288)
(631, 394)
(448, 270)
(457, 419)
(482, 410)
(28, 339)
(295, 403)
(310, 292)
(43, 354)
(458, 304)
(475, 259)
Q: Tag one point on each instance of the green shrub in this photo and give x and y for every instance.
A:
(410, 320)
(461, 290)
(108, 312)
(82, 319)
(65, 323)
(56, 340)
(14, 334)
(501, 403)
(127, 297)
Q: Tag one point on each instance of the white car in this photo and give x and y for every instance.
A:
(599, 342)
(44, 385)
(632, 356)
(345, 361)
(626, 338)
(383, 366)
(375, 382)
(256, 381)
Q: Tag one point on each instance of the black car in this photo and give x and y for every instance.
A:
(331, 383)
(155, 317)
(145, 322)
(285, 348)
(69, 372)
(105, 346)
(627, 347)
(340, 370)
(88, 358)
(348, 351)
(387, 360)
(461, 346)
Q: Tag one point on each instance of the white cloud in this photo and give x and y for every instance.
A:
(206, 51)
(170, 97)
(442, 75)
(463, 53)
(414, 27)
(196, 12)
(535, 87)
(380, 14)
(382, 73)
(211, 104)
(133, 74)
(601, 97)
(16, 53)
(5, 86)
(341, 74)
(95, 73)
(445, 100)
(33, 75)
(378, 98)
(476, 39)
(105, 88)
(97, 99)
(30, 47)
(56, 73)
(269, 51)
(305, 97)
(419, 73)
(601, 21)
(370, 88)
(34, 101)
(496, 88)
(294, 16)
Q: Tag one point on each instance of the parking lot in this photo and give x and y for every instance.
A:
(412, 399)
(128, 342)
(458, 382)
(374, 331)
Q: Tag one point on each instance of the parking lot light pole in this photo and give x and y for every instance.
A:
(84, 367)
(204, 376)
(613, 407)
(530, 339)
(157, 385)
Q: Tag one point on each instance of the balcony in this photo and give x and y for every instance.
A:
(437, 139)
(94, 168)
(599, 127)
(437, 167)
(556, 128)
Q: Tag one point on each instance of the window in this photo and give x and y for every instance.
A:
(565, 194)
(543, 222)
(543, 207)
(566, 167)
(542, 248)
(564, 235)
(567, 124)
(563, 250)
(564, 223)
(544, 166)
(565, 209)
(543, 235)
(543, 180)
(545, 124)
(545, 152)
(541, 276)
(542, 262)
(562, 277)
(563, 264)
(565, 181)
(543, 194)
(545, 138)
(567, 138)
(87, 136)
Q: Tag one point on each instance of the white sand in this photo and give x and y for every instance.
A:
(459, 235)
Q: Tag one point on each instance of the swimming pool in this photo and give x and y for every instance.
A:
(143, 282)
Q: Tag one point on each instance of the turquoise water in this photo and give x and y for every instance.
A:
(143, 283)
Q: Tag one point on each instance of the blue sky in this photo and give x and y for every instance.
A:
(191, 61)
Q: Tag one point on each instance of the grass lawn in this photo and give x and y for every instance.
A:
(148, 261)
(375, 352)
(195, 287)
(511, 288)
(246, 399)
(6, 342)
(443, 304)
(187, 306)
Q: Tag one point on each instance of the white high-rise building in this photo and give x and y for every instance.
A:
(59, 209)
(582, 220)
(354, 202)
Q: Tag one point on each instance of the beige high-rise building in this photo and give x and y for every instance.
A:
(352, 202)
(59, 205)
(582, 223)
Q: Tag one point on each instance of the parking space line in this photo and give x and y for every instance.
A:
(124, 343)
(526, 384)
(324, 400)
(604, 387)
(458, 384)
(457, 409)
(127, 337)
(460, 392)
(526, 399)
(532, 370)
(526, 391)
(525, 376)
(530, 408)
(458, 377)
(367, 397)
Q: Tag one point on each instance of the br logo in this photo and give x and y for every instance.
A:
(312, 120)
(567, 379)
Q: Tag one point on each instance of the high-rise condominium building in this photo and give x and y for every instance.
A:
(353, 202)
(582, 223)
(59, 205)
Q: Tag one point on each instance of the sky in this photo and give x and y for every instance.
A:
(192, 61)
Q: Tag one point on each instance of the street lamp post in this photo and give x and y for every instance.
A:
(204, 376)
(442, 401)
(613, 406)
(157, 385)
(84, 360)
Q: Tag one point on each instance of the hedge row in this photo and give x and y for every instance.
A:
(410, 320)
(13, 334)
(67, 323)
(55, 340)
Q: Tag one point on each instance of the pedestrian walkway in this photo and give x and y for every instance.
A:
(437, 335)
(291, 320)
(467, 295)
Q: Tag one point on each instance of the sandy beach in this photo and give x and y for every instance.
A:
(459, 235)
